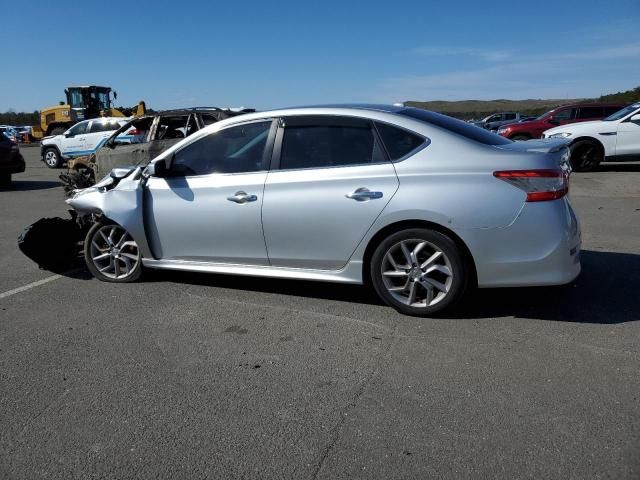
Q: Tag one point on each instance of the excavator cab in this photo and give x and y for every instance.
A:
(88, 102)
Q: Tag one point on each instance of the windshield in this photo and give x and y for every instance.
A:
(622, 113)
(456, 126)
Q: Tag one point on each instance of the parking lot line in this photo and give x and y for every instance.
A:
(29, 286)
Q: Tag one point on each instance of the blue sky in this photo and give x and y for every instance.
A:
(268, 54)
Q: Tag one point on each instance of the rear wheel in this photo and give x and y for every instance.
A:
(52, 158)
(5, 179)
(418, 272)
(111, 254)
(586, 155)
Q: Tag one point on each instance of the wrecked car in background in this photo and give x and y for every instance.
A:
(140, 140)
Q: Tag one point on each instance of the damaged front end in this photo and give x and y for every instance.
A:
(55, 244)
(116, 198)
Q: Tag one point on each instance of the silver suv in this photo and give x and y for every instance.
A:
(417, 204)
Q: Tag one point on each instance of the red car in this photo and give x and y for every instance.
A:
(581, 112)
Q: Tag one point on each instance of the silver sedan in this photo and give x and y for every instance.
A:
(419, 205)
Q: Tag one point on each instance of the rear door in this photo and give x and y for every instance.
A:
(330, 180)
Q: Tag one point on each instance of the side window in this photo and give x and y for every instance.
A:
(192, 125)
(172, 127)
(565, 114)
(398, 142)
(232, 150)
(99, 126)
(208, 119)
(510, 116)
(611, 110)
(79, 128)
(321, 142)
(590, 112)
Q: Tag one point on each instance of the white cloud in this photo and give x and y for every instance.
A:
(440, 51)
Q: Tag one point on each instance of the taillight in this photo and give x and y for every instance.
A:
(134, 132)
(540, 185)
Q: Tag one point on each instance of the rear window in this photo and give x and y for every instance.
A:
(397, 141)
(456, 126)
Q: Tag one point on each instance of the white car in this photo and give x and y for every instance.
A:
(615, 138)
(84, 138)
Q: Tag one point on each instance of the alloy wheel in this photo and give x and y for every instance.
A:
(113, 252)
(416, 273)
(51, 158)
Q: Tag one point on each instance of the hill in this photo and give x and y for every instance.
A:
(481, 108)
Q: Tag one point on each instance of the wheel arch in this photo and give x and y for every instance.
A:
(589, 138)
(394, 227)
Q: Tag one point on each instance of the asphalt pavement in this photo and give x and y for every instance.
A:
(211, 376)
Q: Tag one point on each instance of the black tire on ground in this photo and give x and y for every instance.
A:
(90, 251)
(458, 279)
(52, 158)
(57, 131)
(518, 138)
(5, 179)
(586, 155)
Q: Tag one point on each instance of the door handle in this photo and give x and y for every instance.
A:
(363, 194)
(242, 197)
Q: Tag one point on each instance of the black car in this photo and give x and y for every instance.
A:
(11, 160)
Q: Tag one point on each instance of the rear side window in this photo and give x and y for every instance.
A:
(324, 142)
(456, 126)
(398, 141)
(590, 112)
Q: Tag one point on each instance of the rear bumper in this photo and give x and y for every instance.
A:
(15, 164)
(541, 247)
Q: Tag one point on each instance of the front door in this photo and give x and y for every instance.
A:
(208, 207)
(329, 183)
(628, 138)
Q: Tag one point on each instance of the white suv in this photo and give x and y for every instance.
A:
(84, 138)
(616, 137)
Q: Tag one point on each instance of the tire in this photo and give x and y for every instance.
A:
(520, 138)
(111, 254)
(586, 155)
(437, 275)
(52, 158)
(58, 131)
(5, 179)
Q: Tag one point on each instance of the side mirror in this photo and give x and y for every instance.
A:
(157, 169)
(635, 118)
(68, 135)
(120, 173)
(553, 121)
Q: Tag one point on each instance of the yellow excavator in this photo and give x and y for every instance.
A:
(83, 103)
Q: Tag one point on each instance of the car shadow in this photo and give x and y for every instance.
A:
(28, 185)
(606, 292)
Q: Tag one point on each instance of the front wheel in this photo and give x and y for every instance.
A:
(5, 179)
(586, 155)
(520, 138)
(52, 158)
(111, 254)
(418, 272)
